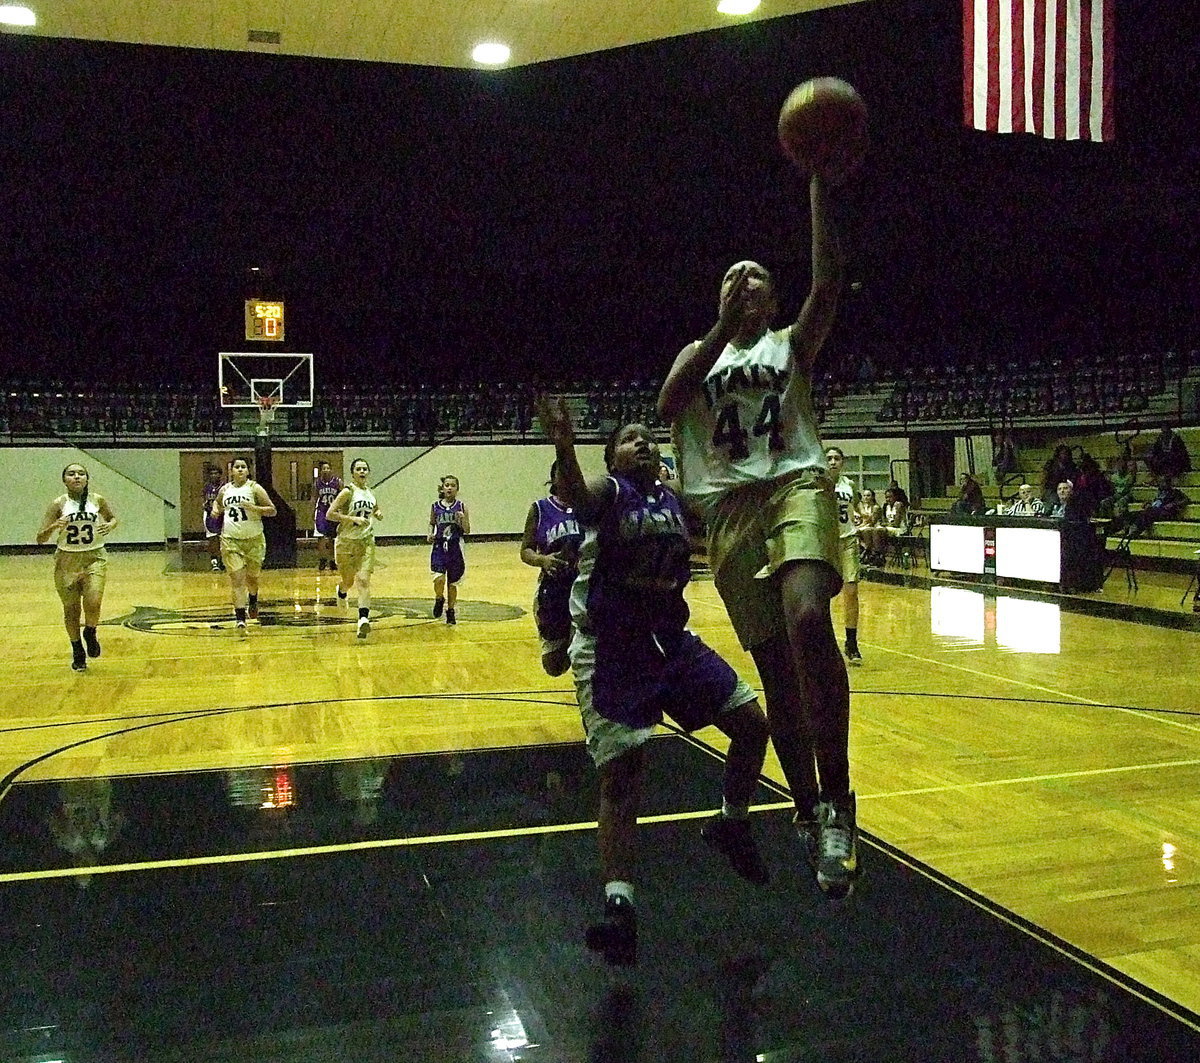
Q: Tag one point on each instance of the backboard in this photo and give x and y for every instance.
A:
(244, 378)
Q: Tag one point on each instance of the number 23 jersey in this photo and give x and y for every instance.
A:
(751, 421)
(81, 532)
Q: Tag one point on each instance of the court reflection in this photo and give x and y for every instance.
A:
(965, 619)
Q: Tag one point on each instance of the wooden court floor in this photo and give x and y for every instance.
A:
(1041, 757)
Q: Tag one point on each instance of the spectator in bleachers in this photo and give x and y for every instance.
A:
(1168, 504)
(1123, 478)
(1061, 468)
(1066, 506)
(970, 501)
(1092, 487)
(1168, 457)
(1026, 504)
(1004, 457)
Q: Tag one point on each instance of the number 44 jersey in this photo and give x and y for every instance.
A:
(752, 421)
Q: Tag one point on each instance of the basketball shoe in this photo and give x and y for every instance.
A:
(734, 839)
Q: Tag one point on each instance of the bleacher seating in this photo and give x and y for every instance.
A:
(1158, 387)
(1171, 541)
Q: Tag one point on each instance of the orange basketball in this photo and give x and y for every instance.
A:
(823, 127)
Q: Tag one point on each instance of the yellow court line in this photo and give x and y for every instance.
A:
(1140, 714)
(348, 847)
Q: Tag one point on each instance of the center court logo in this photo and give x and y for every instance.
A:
(307, 613)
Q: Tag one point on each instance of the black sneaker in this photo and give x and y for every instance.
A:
(734, 839)
(616, 936)
(78, 657)
(837, 856)
(91, 642)
(341, 596)
(450, 617)
(215, 565)
(852, 654)
(438, 605)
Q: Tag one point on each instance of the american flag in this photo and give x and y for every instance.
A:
(1040, 66)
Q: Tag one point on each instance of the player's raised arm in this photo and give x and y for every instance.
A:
(589, 499)
(817, 315)
(692, 364)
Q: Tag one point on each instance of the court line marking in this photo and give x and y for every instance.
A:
(350, 847)
(1078, 698)
(1111, 974)
(1062, 947)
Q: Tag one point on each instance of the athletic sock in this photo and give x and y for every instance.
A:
(617, 888)
(734, 811)
(363, 612)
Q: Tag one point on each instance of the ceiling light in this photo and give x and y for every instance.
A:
(14, 15)
(737, 7)
(491, 53)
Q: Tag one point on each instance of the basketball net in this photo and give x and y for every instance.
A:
(266, 413)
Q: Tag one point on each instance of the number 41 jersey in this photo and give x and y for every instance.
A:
(752, 420)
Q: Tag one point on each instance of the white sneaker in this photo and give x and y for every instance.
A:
(364, 627)
(241, 628)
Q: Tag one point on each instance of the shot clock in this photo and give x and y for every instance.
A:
(264, 319)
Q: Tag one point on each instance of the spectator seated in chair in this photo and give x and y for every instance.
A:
(970, 501)
(1026, 504)
(1168, 504)
(1061, 468)
(1168, 457)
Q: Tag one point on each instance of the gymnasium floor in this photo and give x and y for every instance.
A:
(302, 847)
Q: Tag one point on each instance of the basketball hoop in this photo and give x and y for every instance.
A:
(266, 409)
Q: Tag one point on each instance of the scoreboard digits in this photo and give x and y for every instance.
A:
(264, 319)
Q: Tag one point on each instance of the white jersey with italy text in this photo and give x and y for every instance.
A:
(239, 521)
(82, 531)
(362, 504)
(846, 494)
(752, 421)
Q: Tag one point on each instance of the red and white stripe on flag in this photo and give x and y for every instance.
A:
(1040, 66)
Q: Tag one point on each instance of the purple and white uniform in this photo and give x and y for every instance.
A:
(326, 491)
(447, 556)
(558, 532)
(212, 525)
(632, 655)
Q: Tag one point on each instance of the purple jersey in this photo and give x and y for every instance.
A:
(634, 565)
(212, 525)
(447, 556)
(325, 491)
(558, 532)
(447, 532)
